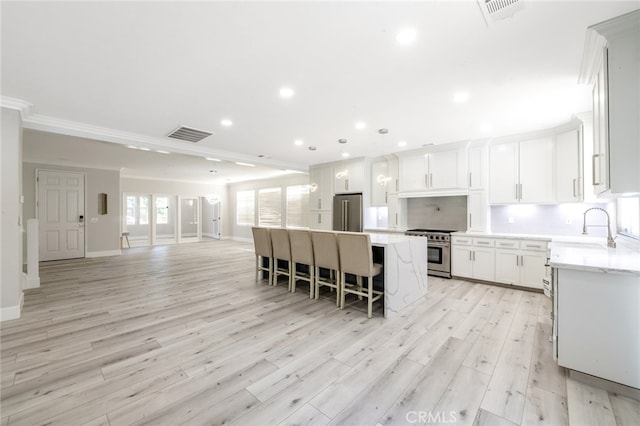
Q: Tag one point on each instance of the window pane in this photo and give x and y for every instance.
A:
(131, 209)
(162, 210)
(144, 210)
(245, 208)
(298, 206)
(629, 216)
(269, 207)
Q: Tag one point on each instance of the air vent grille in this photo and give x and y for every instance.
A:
(495, 10)
(189, 134)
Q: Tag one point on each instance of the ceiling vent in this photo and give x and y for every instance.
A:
(496, 10)
(189, 134)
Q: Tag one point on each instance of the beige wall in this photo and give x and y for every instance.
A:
(12, 217)
(103, 233)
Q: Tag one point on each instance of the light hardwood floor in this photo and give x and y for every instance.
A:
(183, 335)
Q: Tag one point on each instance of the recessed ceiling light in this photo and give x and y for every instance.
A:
(245, 164)
(406, 36)
(144, 149)
(402, 143)
(345, 154)
(461, 97)
(298, 142)
(286, 92)
(132, 147)
(162, 152)
(212, 159)
(226, 123)
(361, 125)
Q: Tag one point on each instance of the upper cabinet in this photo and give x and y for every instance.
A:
(348, 176)
(522, 172)
(320, 187)
(477, 173)
(440, 171)
(569, 181)
(380, 183)
(611, 64)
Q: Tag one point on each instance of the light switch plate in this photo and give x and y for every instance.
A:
(511, 219)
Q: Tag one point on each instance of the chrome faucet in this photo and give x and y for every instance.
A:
(611, 243)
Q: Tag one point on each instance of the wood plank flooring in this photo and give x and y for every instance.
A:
(184, 335)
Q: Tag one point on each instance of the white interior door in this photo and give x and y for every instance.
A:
(61, 214)
(216, 220)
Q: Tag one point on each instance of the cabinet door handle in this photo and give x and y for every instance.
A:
(385, 198)
(426, 180)
(397, 185)
(396, 219)
(520, 191)
(593, 170)
(319, 204)
(474, 256)
(469, 220)
(319, 218)
(469, 179)
(517, 192)
(470, 259)
(346, 184)
(430, 180)
(574, 188)
(517, 260)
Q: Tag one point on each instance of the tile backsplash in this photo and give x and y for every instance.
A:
(561, 219)
(437, 213)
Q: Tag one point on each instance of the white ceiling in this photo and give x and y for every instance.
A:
(131, 72)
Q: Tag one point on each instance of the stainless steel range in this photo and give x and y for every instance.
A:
(438, 250)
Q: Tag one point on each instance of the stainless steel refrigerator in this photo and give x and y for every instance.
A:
(347, 212)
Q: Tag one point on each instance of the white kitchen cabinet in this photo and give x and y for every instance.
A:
(521, 262)
(393, 170)
(610, 63)
(522, 172)
(321, 220)
(380, 182)
(472, 258)
(477, 211)
(478, 165)
(441, 170)
(348, 176)
(598, 324)
(569, 181)
(396, 211)
(320, 187)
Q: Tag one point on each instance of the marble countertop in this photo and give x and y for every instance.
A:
(384, 239)
(592, 255)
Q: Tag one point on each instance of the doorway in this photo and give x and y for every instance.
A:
(211, 225)
(189, 219)
(61, 213)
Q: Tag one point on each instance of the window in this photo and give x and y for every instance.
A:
(629, 216)
(137, 209)
(269, 207)
(245, 208)
(162, 210)
(298, 206)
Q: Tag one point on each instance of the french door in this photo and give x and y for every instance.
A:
(61, 215)
(189, 219)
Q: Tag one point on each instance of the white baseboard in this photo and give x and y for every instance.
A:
(102, 253)
(12, 312)
(244, 240)
(32, 282)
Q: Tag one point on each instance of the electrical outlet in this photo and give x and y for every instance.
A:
(511, 219)
(568, 221)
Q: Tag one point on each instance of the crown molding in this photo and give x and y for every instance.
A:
(45, 123)
(66, 163)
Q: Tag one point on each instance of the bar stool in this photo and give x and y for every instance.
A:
(356, 257)
(325, 250)
(262, 244)
(281, 251)
(302, 253)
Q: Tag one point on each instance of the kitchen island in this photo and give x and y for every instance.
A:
(404, 260)
(597, 315)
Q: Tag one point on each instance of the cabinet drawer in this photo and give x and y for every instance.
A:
(538, 245)
(483, 242)
(465, 241)
(508, 244)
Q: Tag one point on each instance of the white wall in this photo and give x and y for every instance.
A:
(244, 232)
(11, 222)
